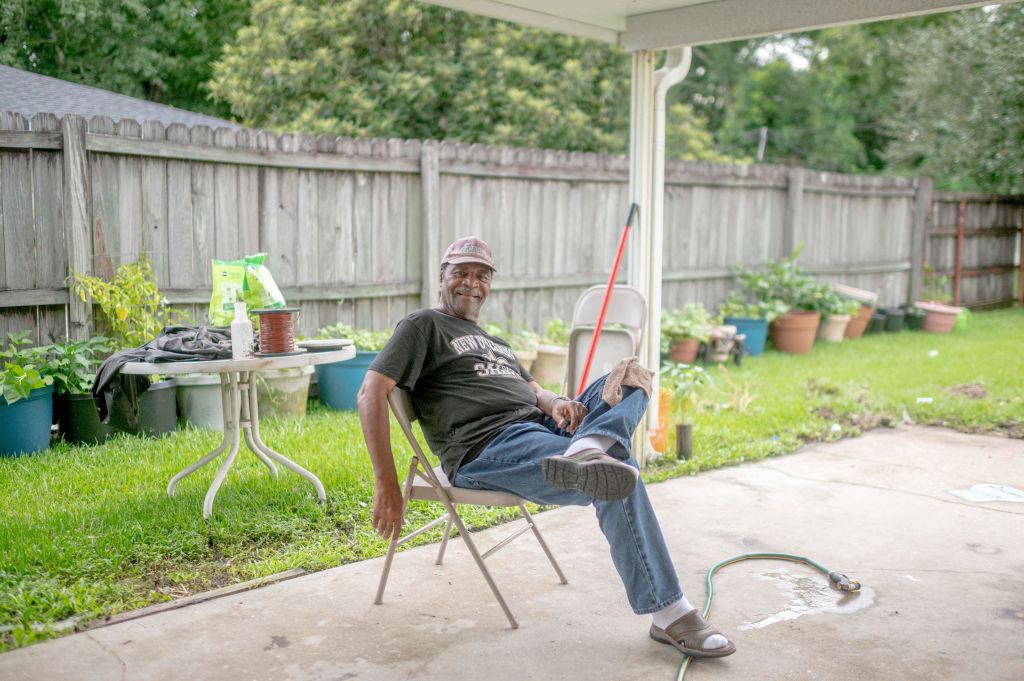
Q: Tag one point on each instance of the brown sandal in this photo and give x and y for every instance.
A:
(688, 633)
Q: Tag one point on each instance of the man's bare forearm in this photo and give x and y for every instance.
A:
(373, 417)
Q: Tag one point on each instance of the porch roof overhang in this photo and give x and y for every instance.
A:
(659, 24)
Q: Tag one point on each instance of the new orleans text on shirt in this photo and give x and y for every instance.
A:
(498, 356)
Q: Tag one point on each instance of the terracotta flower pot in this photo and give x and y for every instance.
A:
(857, 325)
(834, 328)
(684, 350)
(794, 331)
(526, 358)
(938, 318)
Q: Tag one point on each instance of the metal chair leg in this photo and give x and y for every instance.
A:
(444, 540)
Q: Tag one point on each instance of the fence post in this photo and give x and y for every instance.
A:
(430, 191)
(959, 261)
(77, 220)
(1020, 264)
(794, 209)
(918, 227)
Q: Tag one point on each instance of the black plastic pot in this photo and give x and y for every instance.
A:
(78, 421)
(158, 411)
(914, 319)
(894, 318)
(877, 323)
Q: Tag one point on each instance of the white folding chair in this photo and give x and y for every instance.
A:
(620, 333)
(427, 483)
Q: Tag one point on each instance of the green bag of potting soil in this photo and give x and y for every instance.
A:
(260, 288)
(247, 280)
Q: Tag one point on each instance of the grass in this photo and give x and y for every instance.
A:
(88, 532)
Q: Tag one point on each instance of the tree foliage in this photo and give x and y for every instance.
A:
(960, 116)
(381, 68)
(159, 50)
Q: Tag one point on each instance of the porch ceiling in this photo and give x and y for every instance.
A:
(658, 24)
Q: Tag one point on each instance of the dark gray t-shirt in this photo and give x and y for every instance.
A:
(466, 385)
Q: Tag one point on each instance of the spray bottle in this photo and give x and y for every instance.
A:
(241, 333)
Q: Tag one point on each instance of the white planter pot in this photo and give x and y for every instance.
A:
(199, 400)
(834, 330)
(283, 392)
(549, 367)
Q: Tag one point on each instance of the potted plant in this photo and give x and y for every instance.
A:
(787, 284)
(940, 316)
(133, 312)
(836, 313)
(339, 382)
(683, 330)
(26, 412)
(861, 316)
(914, 318)
(684, 380)
(552, 350)
(72, 365)
(750, 317)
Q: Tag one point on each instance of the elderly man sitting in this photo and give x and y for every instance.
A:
(494, 427)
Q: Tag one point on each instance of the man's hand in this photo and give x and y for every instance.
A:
(568, 414)
(387, 511)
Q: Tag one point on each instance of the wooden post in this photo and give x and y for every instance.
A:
(77, 220)
(1020, 281)
(959, 263)
(430, 191)
(918, 229)
(794, 210)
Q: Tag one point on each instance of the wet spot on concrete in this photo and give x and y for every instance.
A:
(810, 595)
(278, 642)
(985, 549)
(1012, 614)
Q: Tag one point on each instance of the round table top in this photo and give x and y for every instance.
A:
(217, 366)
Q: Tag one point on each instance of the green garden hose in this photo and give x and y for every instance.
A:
(836, 579)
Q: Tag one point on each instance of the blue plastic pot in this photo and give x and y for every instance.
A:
(756, 331)
(339, 382)
(25, 425)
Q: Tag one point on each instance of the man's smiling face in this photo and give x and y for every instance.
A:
(464, 288)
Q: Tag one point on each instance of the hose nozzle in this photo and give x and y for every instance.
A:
(842, 582)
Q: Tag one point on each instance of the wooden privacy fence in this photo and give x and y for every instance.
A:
(355, 228)
(973, 242)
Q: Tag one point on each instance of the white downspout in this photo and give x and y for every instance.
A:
(677, 65)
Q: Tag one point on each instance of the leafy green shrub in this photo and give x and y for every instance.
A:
(556, 332)
(690, 321)
(73, 364)
(133, 307)
(781, 282)
(364, 339)
(21, 367)
(736, 304)
(684, 380)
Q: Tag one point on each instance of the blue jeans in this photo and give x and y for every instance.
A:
(512, 463)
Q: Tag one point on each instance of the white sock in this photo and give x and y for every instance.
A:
(602, 442)
(666, 616)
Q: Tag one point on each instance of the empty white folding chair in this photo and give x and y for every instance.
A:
(620, 333)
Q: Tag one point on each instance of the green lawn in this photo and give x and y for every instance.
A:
(89, 531)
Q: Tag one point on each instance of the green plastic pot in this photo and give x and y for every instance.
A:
(158, 411)
(877, 323)
(25, 424)
(78, 420)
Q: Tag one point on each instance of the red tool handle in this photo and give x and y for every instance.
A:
(607, 297)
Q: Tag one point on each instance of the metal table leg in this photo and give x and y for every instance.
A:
(254, 426)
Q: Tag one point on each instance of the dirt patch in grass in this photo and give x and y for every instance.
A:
(972, 391)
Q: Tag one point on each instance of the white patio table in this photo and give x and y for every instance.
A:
(241, 410)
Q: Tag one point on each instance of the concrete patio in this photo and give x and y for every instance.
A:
(943, 593)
